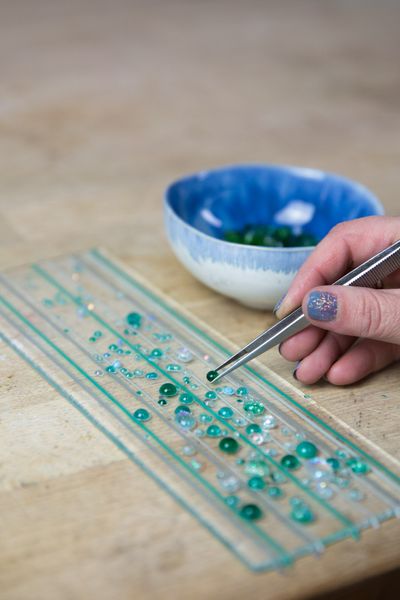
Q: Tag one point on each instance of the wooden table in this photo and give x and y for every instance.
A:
(102, 104)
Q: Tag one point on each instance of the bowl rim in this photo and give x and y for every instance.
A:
(239, 166)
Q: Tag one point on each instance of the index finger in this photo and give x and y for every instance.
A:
(346, 246)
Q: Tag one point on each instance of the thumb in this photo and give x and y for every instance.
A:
(358, 312)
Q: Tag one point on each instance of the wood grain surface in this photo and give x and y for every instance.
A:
(102, 104)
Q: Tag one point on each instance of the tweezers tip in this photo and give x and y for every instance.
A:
(218, 377)
(224, 364)
(229, 369)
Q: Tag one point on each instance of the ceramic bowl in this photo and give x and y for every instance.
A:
(201, 207)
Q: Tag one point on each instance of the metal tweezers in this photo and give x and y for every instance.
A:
(369, 274)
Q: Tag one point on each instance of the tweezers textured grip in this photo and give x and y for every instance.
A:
(373, 270)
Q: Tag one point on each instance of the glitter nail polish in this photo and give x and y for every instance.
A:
(322, 306)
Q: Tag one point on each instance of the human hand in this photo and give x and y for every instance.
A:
(355, 331)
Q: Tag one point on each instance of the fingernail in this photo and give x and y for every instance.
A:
(295, 370)
(279, 304)
(322, 306)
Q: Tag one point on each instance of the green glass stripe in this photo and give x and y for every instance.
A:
(216, 344)
(342, 518)
(275, 545)
(121, 446)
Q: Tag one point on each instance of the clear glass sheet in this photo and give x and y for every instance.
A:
(68, 319)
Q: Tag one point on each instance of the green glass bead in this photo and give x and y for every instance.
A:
(110, 369)
(282, 234)
(307, 450)
(162, 402)
(182, 408)
(134, 319)
(210, 395)
(173, 367)
(254, 235)
(186, 380)
(156, 353)
(306, 239)
(141, 414)
(242, 391)
(278, 477)
(211, 375)
(168, 389)
(271, 242)
(253, 428)
(357, 466)
(292, 241)
(257, 467)
(214, 431)
(225, 412)
(295, 501)
(341, 453)
(251, 512)
(113, 347)
(186, 398)
(204, 418)
(275, 491)
(151, 375)
(249, 235)
(256, 483)
(334, 463)
(232, 501)
(233, 236)
(229, 445)
(262, 233)
(92, 339)
(162, 337)
(302, 514)
(290, 461)
(254, 407)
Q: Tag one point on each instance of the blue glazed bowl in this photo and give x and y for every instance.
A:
(201, 207)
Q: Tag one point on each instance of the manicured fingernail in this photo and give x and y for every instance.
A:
(295, 370)
(279, 304)
(322, 306)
